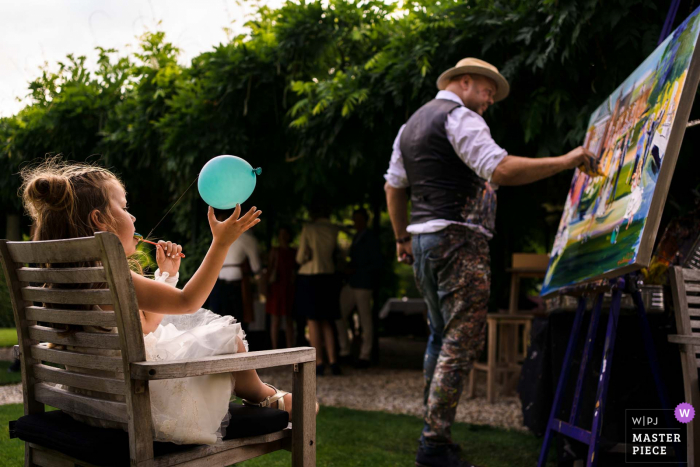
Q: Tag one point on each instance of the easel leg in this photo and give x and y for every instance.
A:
(605, 367)
(563, 377)
(587, 354)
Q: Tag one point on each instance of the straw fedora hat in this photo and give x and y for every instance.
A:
(478, 67)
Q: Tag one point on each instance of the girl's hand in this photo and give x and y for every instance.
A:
(228, 231)
(167, 257)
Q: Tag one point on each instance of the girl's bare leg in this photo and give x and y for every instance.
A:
(289, 331)
(316, 339)
(249, 386)
(329, 341)
(274, 330)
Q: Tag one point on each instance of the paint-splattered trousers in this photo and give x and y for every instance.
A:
(452, 270)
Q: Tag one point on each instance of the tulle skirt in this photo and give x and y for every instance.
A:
(192, 410)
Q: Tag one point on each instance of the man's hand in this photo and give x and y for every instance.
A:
(583, 159)
(404, 252)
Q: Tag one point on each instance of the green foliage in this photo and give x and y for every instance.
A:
(7, 377)
(7, 317)
(315, 94)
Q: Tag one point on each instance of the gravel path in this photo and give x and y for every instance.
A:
(11, 394)
(396, 386)
(7, 354)
(399, 391)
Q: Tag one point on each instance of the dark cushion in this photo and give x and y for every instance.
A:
(110, 447)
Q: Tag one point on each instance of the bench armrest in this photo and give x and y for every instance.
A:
(683, 339)
(172, 369)
(15, 351)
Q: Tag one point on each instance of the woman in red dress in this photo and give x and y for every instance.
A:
(281, 271)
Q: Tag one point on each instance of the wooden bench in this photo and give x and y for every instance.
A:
(685, 284)
(20, 261)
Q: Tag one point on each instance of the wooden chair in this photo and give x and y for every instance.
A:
(38, 378)
(685, 284)
(508, 333)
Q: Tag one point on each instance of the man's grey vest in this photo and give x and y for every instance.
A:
(442, 185)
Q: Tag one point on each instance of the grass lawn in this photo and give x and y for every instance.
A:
(354, 438)
(8, 378)
(8, 337)
(11, 450)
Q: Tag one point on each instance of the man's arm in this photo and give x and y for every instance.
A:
(514, 170)
(397, 202)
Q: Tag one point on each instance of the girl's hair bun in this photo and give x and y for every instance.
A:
(49, 190)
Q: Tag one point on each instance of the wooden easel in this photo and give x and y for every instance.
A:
(569, 427)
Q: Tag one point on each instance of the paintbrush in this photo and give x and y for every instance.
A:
(140, 238)
(595, 172)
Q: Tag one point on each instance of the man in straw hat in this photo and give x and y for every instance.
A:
(446, 155)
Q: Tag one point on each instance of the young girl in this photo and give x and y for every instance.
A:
(76, 200)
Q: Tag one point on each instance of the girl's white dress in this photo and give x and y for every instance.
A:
(190, 410)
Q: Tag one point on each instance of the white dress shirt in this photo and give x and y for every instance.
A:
(245, 247)
(471, 139)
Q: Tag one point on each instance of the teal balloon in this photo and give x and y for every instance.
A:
(225, 181)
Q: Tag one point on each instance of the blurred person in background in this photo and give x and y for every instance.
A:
(281, 272)
(232, 295)
(362, 278)
(317, 291)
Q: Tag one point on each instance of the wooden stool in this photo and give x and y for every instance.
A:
(500, 365)
(505, 332)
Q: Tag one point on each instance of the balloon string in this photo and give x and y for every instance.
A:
(171, 207)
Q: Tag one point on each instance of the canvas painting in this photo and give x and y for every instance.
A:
(610, 220)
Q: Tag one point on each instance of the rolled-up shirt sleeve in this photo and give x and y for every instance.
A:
(396, 174)
(471, 139)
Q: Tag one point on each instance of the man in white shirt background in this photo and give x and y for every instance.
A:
(446, 156)
(232, 295)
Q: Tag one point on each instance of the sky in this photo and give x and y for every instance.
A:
(34, 32)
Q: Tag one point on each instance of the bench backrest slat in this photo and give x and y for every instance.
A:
(74, 250)
(84, 275)
(96, 340)
(51, 374)
(76, 359)
(79, 404)
(67, 297)
(100, 318)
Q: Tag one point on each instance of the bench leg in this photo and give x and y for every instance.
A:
(304, 415)
(491, 359)
(27, 455)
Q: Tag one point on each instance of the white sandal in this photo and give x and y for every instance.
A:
(278, 397)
